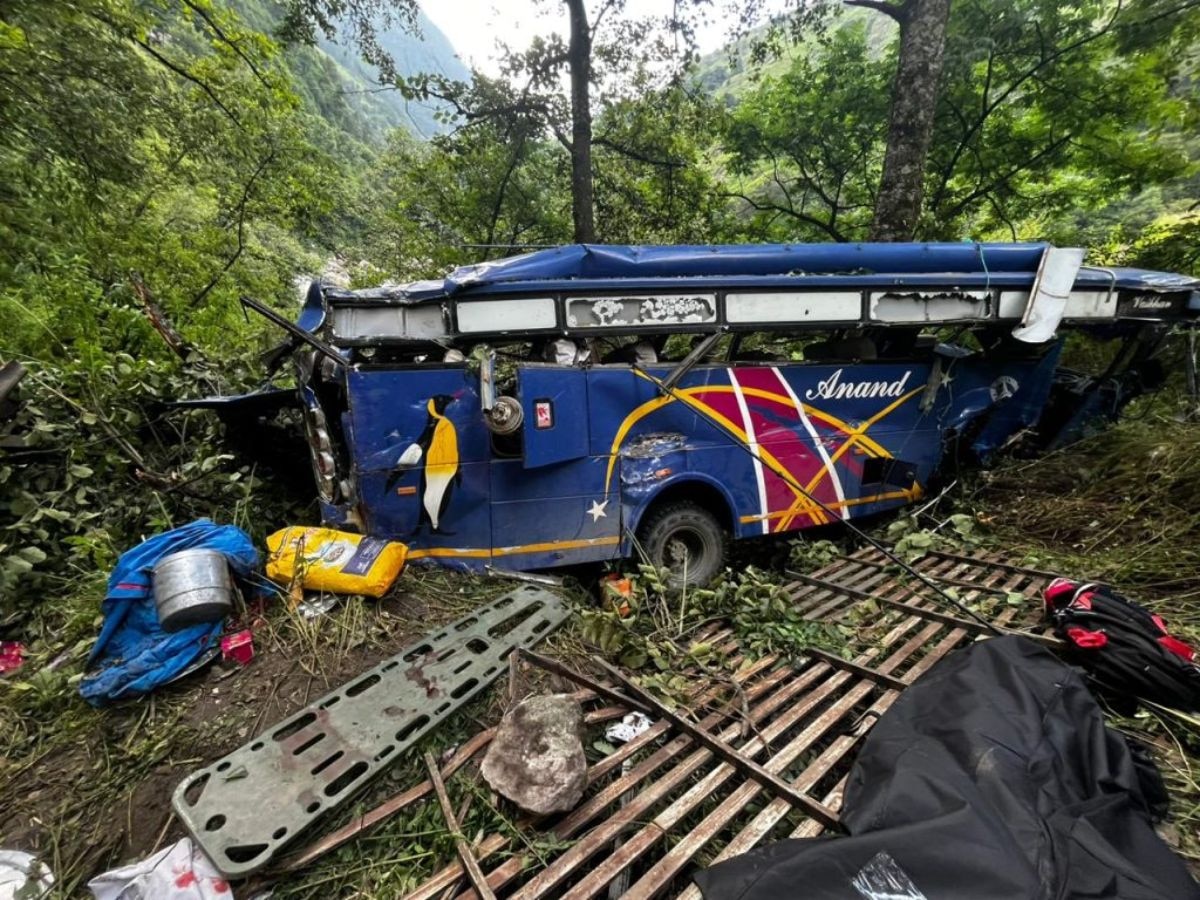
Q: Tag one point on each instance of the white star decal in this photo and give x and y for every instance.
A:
(597, 511)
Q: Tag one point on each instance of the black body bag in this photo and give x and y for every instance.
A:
(992, 777)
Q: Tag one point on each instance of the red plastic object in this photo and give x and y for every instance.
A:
(12, 654)
(238, 647)
(1178, 647)
(1088, 640)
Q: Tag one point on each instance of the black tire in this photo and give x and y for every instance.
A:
(684, 536)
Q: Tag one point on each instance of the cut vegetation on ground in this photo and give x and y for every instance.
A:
(90, 789)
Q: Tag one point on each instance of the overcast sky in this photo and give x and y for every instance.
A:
(474, 26)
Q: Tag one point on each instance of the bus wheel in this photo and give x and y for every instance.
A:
(685, 538)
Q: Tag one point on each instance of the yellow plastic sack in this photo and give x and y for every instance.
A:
(323, 559)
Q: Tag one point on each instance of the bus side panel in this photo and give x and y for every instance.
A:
(554, 400)
(711, 469)
(421, 459)
(553, 515)
(551, 506)
(852, 436)
(1018, 393)
(616, 397)
(654, 440)
(876, 448)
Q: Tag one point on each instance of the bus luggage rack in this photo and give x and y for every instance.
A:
(662, 805)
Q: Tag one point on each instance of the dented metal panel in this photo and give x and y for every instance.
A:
(930, 306)
(652, 309)
(584, 290)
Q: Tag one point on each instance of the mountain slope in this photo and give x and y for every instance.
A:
(430, 51)
(728, 73)
(338, 85)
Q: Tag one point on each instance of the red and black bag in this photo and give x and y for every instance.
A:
(1125, 647)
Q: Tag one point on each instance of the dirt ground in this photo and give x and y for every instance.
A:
(91, 789)
(98, 792)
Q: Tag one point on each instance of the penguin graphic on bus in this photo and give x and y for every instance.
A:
(436, 451)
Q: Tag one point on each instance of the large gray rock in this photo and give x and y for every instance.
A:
(536, 758)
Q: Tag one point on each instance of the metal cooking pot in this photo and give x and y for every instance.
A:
(192, 587)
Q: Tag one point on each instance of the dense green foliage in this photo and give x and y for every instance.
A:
(1048, 114)
(166, 140)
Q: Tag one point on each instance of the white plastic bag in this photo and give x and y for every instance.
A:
(180, 872)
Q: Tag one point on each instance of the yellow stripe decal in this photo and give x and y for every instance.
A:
(479, 553)
(764, 454)
(640, 412)
(911, 494)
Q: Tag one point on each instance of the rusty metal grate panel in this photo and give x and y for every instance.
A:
(662, 805)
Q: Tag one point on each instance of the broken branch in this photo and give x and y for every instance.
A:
(478, 880)
(179, 346)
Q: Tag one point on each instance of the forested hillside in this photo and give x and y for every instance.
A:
(731, 72)
(334, 80)
(166, 156)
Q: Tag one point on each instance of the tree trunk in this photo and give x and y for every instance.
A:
(910, 125)
(579, 58)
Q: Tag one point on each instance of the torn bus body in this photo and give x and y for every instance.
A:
(568, 405)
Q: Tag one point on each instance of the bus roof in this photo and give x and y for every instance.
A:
(590, 289)
(599, 266)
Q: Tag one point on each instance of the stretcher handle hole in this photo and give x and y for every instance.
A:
(359, 686)
(327, 762)
(417, 651)
(344, 780)
(193, 791)
(311, 742)
(409, 729)
(243, 853)
(295, 725)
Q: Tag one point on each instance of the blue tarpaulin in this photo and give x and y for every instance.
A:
(598, 266)
(707, 261)
(133, 655)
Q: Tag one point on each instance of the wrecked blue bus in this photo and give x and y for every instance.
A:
(592, 403)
